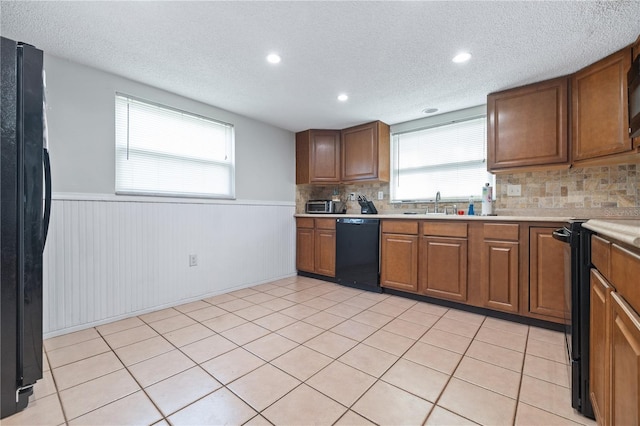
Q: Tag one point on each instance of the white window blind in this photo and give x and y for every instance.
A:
(450, 158)
(167, 152)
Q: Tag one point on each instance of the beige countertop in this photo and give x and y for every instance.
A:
(442, 217)
(625, 230)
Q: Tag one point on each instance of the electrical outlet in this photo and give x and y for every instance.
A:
(380, 195)
(193, 260)
(514, 190)
(352, 196)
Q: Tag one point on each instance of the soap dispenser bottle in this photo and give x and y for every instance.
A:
(471, 212)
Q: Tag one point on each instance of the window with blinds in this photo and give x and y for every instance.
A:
(449, 158)
(167, 152)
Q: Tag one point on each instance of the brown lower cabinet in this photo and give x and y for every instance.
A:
(546, 273)
(510, 267)
(443, 260)
(615, 333)
(500, 266)
(399, 255)
(325, 251)
(625, 363)
(599, 344)
(316, 246)
(305, 248)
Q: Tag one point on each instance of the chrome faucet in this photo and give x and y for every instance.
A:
(437, 201)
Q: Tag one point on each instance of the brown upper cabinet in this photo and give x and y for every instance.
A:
(318, 156)
(599, 110)
(365, 152)
(527, 126)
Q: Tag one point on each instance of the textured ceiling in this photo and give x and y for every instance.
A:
(392, 58)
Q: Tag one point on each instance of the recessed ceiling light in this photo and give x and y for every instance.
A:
(342, 97)
(430, 110)
(274, 58)
(461, 57)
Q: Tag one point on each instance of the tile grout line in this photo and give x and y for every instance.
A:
(55, 385)
(393, 317)
(524, 358)
(435, 403)
(163, 417)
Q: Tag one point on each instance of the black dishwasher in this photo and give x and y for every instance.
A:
(358, 253)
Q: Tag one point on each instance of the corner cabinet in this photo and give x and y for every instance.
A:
(443, 260)
(316, 246)
(399, 255)
(318, 157)
(365, 152)
(599, 110)
(527, 126)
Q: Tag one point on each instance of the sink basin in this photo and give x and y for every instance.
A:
(436, 214)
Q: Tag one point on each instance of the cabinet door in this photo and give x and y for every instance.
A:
(625, 363)
(499, 281)
(599, 347)
(324, 156)
(600, 116)
(318, 156)
(305, 249)
(527, 126)
(325, 252)
(443, 268)
(399, 262)
(546, 274)
(365, 152)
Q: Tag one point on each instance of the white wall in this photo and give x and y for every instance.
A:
(109, 257)
(81, 119)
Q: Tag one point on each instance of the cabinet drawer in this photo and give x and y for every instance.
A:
(400, 227)
(600, 255)
(304, 222)
(325, 224)
(444, 229)
(625, 270)
(501, 231)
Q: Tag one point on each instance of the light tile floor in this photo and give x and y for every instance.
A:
(301, 351)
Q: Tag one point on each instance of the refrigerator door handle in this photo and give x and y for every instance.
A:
(47, 196)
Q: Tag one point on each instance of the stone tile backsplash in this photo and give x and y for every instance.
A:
(580, 192)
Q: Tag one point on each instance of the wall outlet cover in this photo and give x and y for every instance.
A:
(380, 195)
(193, 260)
(514, 190)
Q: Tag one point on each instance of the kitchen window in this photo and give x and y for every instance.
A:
(448, 158)
(167, 152)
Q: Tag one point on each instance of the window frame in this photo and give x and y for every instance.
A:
(432, 123)
(121, 150)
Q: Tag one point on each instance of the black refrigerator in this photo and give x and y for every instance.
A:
(25, 201)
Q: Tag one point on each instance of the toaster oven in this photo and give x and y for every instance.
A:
(324, 207)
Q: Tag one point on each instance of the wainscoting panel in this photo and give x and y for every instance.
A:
(107, 259)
